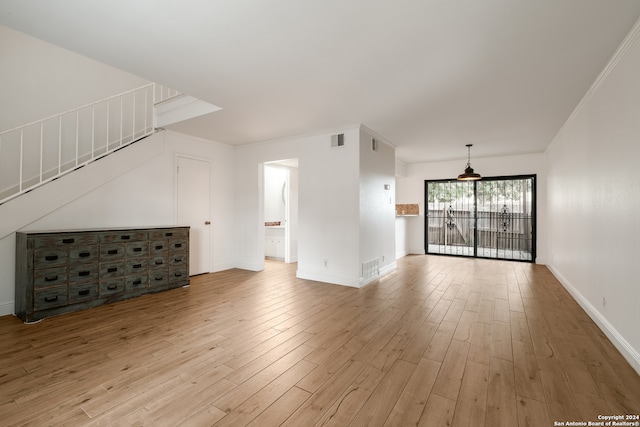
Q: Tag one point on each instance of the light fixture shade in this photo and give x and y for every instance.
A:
(469, 174)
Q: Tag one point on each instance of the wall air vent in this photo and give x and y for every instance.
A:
(337, 140)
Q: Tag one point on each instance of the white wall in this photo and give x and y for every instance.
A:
(143, 195)
(341, 220)
(410, 189)
(377, 204)
(328, 209)
(40, 79)
(594, 201)
(294, 194)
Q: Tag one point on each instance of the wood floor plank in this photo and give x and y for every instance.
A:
(439, 341)
(533, 413)
(279, 411)
(418, 344)
(352, 399)
(501, 397)
(382, 400)
(450, 376)
(320, 402)
(472, 400)
(261, 378)
(411, 403)
(439, 344)
(437, 412)
(559, 396)
(527, 375)
(259, 401)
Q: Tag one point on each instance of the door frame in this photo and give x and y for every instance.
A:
(534, 209)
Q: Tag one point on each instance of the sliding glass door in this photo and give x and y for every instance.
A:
(490, 218)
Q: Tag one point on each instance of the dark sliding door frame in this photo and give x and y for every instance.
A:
(464, 221)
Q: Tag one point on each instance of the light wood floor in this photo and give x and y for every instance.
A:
(441, 341)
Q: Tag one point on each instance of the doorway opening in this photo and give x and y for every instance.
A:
(281, 210)
(491, 218)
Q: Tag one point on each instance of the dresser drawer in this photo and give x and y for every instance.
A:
(64, 239)
(159, 277)
(111, 270)
(124, 236)
(50, 277)
(47, 258)
(112, 251)
(178, 245)
(180, 233)
(159, 247)
(83, 273)
(83, 254)
(178, 259)
(134, 283)
(158, 262)
(137, 249)
(136, 266)
(49, 298)
(178, 275)
(82, 292)
(112, 287)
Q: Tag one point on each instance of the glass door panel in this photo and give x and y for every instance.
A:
(491, 218)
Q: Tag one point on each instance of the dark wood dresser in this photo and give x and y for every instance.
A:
(64, 271)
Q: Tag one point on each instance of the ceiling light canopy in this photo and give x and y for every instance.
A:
(469, 174)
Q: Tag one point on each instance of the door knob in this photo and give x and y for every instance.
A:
(207, 222)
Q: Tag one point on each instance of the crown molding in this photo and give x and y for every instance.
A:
(618, 55)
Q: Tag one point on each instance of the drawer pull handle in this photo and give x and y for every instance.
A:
(178, 274)
(68, 241)
(137, 265)
(51, 299)
(51, 278)
(84, 292)
(112, 252)
(112, 269)
(84, 273)
(137, 249)
(112, 287)
(125, 237)
(177, 260)
(159, 262)
(51, 257)
(158, 278)
(137, 282)
(169, 234)
(84, 254)
(159, 247)
(178, 245)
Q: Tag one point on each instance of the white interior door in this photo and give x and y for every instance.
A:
(194, 206)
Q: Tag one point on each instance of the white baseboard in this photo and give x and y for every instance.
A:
(624, 347)
(7, 308)
(327, 278)
(222, 267)
(388, 268)
(401, 254)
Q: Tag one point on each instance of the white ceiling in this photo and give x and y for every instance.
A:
(428, 75)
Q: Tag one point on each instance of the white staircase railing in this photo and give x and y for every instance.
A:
(44, 150)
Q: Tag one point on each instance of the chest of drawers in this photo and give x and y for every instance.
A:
(65, 271)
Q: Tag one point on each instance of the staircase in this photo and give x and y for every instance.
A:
(42, 151)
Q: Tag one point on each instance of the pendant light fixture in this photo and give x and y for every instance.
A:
(469, 174)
